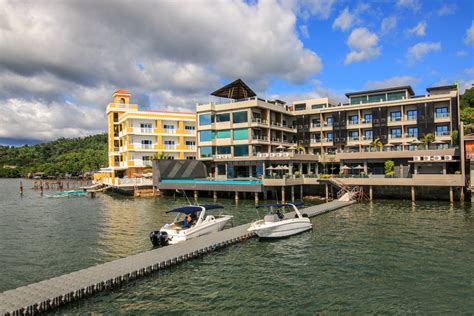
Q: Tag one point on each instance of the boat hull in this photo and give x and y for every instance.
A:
(284, 228)
(176, 236)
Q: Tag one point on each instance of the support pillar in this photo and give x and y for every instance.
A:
(282, 194)
(215, 196)
(196, 195)
(413, 194)
(301, 192)
(292, 193)
(236, 196)
(256, 198)
(461, 194)
(371, 196)
(327, 193)
(451, 195)
(264, 194)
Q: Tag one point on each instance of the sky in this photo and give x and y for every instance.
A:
(60, 61)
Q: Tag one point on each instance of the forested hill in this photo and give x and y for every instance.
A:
(55, 158)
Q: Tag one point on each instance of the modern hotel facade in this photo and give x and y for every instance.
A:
(135, 137)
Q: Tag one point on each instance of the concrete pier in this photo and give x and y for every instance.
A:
(53, 293)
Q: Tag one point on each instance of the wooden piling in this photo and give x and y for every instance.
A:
(371, 193)
(461, 194)
(215, 196)
(413, 194)
(283, 194)
(236, 196)
(256, 198)
(327, 193)
(196, 195)
(451, 195)
(292, 193)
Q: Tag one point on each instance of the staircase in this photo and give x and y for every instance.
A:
(346, 192)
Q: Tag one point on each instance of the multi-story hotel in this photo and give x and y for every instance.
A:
(246, 135)
(135, 137)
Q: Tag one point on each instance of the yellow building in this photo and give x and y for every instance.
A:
(135, 137)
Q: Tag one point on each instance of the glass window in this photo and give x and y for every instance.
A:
(369, 134)
(396, 96)
(223, 134)
(205, 136)
(329, 120)
(359, 100)
(145, 125)
(224, 117)
(240, 117)
(168, 126)
(206, 152)
(354, 135)
(223, 150)
(206, 119)
(330, 136)
(412, 114)
(396, 133)
(396, 116)
(377, 97)
(353, 119)
(441, 112)
(241, 150)
(241, 133)
(189, 128)
(318, 106)
(411, 147)
(412, 132)
(146, 142)
(300, 107)
(368, 118)
(168, 142)
(442, 130)
(190, 143)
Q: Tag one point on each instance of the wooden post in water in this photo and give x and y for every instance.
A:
(256, 198)
(413, 194)
(301, 192)
(21, 188)
(461, 194)
(292, 193)
(196, 195)
(451, 195)
(327, 193)
(370, 193)
(283, 194)
(264, 194)
(215, 196)
(236, 196)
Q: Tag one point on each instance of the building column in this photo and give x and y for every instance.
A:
(301, 192)
(444, 168)
(291, 168)
(413, 194)
(196, 195)
(366, 169)
(292, 193)
(451, 195)
(215, 196)
(256, 198)
(283, 194)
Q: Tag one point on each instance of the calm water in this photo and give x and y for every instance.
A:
(385, 257)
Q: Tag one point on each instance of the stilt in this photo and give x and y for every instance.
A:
(236, 196)
(451, 195)
(301, 192)
(21, 188)
(292, 193)
(215, 196)
(413, 194)
(174, 195)
(327, 193)
(256, 198)
(461, 194)
(264, 194)
(282, 194)
(371, 194)
(196, 195)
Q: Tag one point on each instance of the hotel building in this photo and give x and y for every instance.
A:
(135, 137)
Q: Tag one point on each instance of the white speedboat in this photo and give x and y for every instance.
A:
(277, 225)
(181, 229)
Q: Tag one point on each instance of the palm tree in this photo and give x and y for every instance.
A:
(299, 149)
(160, 156)
(428, 139)
(377, 143)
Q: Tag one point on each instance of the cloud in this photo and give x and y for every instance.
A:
(413, 5)
(304, 30)
(461, 53)
(306, 8)
(469, 39)
(396, 81)
(319, 91)
(418, 51)
(469, 71)
(344, 21)
(419, 29)
(388, 24)
(446, 9)
(163, 52)
(363, 45)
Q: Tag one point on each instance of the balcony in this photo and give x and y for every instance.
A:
(441, 115)
(170, 131)
(352, 123)
(170, 146)
(260, 138)
(191, 147)
(442, 134)
(316, 125)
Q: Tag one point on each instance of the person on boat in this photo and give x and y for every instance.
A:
(280, 214)
(185, 222)
(190, 220)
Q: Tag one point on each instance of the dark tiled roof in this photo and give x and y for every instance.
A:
(410, 91)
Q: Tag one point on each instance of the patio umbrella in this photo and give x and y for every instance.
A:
(417, 142)
(438, 142)
(292, 147)
(271, 168)
(285, 168)
(359, 167)
(405, 144)
(346, 167)
(281, 147)
(388, 145)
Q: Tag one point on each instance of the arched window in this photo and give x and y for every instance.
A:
(122, 100)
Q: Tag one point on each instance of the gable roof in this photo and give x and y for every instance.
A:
(235, 90)
(121, 92)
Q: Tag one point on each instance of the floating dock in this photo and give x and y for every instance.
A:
(50, 294)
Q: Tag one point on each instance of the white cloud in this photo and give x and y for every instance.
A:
(388, 24)
(163, 52)
(344, 21)
(413, 5)
(469, 39)
(419, 29)
(396, 81)
(307, 8)
(304, 30)
(469, 71)
(461, 53)
(363, 45)
(447, 9)
(418, 51)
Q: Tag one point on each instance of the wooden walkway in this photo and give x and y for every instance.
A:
(49, 294)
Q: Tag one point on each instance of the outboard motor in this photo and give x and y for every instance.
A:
(159, 239)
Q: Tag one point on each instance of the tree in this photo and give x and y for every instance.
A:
(467, 99)
(389, 164)
(377, 143)
(160, 156)
(455, 137)
(299, 149)
(428, 139)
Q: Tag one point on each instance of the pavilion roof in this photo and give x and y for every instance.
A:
(235, 90)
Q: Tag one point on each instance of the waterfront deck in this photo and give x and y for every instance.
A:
(49, 294)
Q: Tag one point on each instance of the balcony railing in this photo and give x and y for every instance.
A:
(446, 133)
(258, 137)
(316, 125)
(259, 121)
(394, 119)
(145, 130)
(395, 136)
(441, 115)
(170, 131)
(353, 123)
(353, 139)
(191, 147)
(169, 146)
(143, 146)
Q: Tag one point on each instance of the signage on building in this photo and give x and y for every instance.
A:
(469, 144)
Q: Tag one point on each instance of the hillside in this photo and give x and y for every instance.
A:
(55, 158)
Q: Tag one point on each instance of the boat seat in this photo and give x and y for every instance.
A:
(271, 218)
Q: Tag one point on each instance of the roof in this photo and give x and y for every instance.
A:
(410, 91)
(121, 91)
(449, 87)
(191, 209)
(235, 90)
(298, 203)
(172, 112)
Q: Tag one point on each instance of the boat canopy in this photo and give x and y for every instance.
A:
(298, 203)
(190, 209)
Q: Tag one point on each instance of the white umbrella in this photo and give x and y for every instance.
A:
(417, 142)
(388, 145)
(292, 147)
(281, 147)
(285, 168)
(345, 167)
(359, 167)
(278, 168)
(438, 142)
(270, 168)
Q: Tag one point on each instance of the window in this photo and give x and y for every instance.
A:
(206, 119)
(395, 116)
(377, 98)
(441, 112)
(353, 119)
(223, 150)
(318, 106)
(190, 143)
(369, 134)
(223, 133)
(145, 125)
(224, 117)
(398, 148)
(190, 158)
(205, 136)
(329, 120)
(396, 133)
(396, 96)
(206, 152)
(411, 147)
(442, 130)
(241, 150)
(146, 128)
(168, 142)
(368, 118)
(359, 100)
(300, 107)
(329, 137)
(168, 127)
(412, 132)
(147, 144)
(190, 128)
(241, 133)
(354, 135)
(240, 117)
(411, 115)
(147, 158)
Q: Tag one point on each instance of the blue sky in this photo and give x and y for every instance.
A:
(61, 61)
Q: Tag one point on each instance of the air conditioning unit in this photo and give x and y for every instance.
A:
(219, 156)
(448, 157)
(437, 158)
(416, 158)
(259, 154)
(426, 158)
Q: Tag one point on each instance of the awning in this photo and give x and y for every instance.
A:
(195, 208)
(235, 90)
(298, 203)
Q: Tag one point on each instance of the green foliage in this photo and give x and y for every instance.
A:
(299, 149)
(160, 156)
(57, 157)
(377, 143)
(467, 99)
(389, 164)
(428, 139)
(467, 110)
(455, 137)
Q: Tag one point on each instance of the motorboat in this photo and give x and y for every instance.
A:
(182, 229)
(278, 225)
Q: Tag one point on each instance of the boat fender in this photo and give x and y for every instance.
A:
(305, 215)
